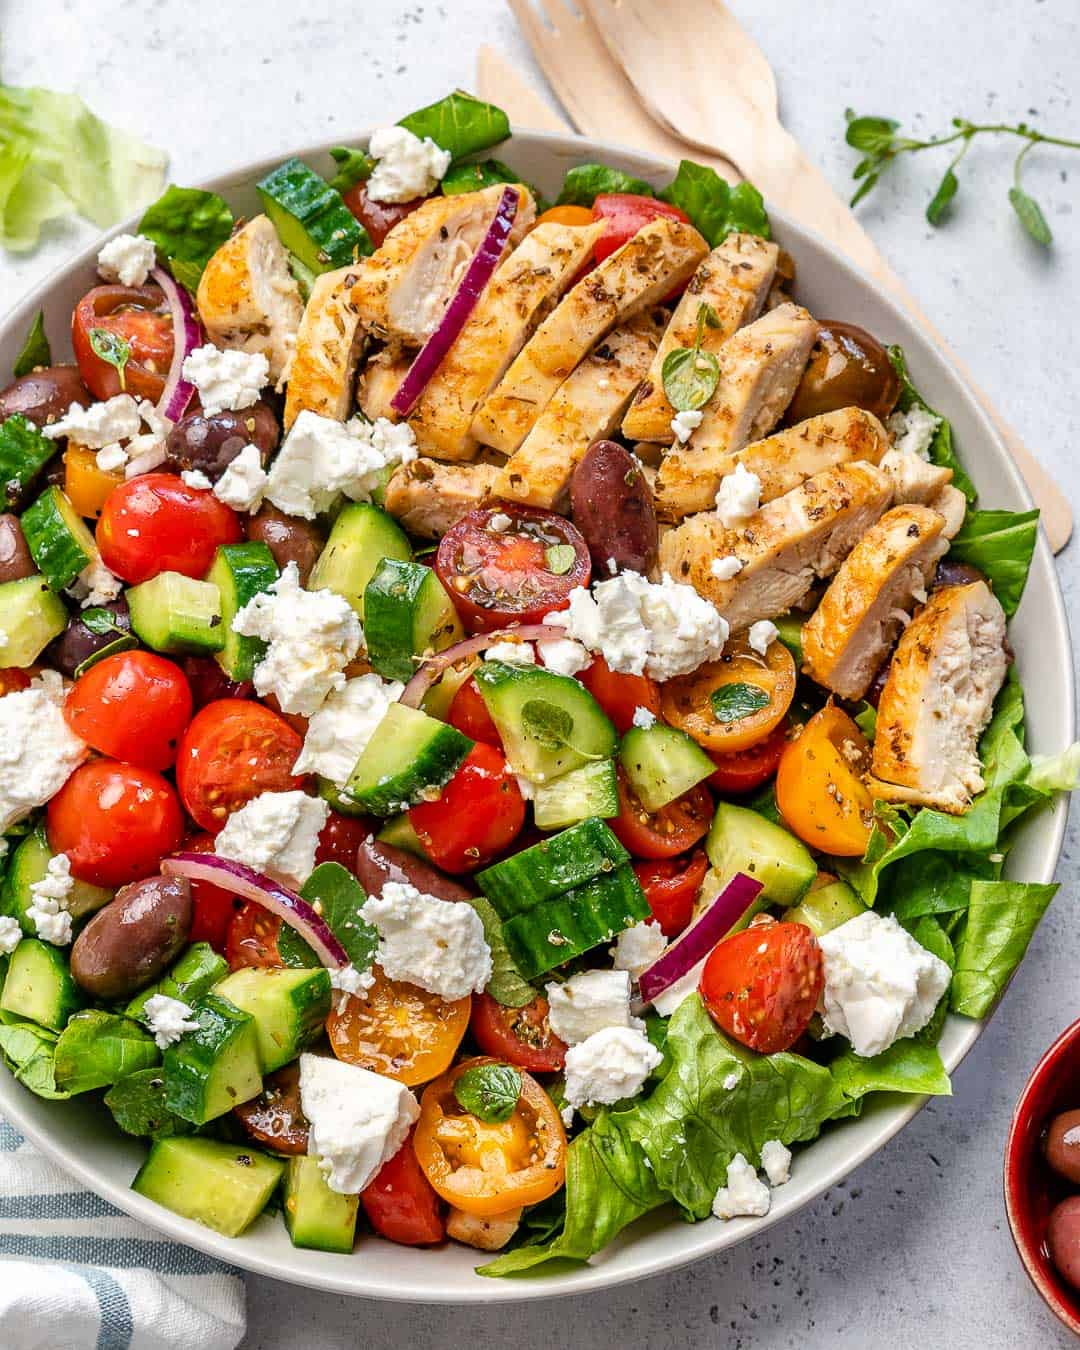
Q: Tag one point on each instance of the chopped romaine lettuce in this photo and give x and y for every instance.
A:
(460, 123)
(1001, 919)
(715, 208)
(1000, 544)
(585, 182)
(188, 226)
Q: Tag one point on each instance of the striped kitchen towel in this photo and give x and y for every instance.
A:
(80, 1275)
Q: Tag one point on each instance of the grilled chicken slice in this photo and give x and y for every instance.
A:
(488, 1234)
(917, 480)
(428, 497)
(248, 298)
(789, 457)
(734, 279)
(407, 283)
(869, 601)
(329, 345)
(525, 287)
(760, 368)
(660, 258)
(378, 383)
(938, 697)
(784, 547)
(588, 406)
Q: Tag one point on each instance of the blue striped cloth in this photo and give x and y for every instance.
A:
(81, 1275)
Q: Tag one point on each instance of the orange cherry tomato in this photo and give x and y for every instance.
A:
(86, 486)
(156, 523)
(476, 816)
(399, 1030)
(134, 706)
(747, 769)
(819, 785)
(664, 833)
(487, 1168)
(565, 215)
(620, 695)
(687, 701)
(400, 1203)
(521, 1036)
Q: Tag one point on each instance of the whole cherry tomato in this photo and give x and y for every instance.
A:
(623, 214)
(477, 814)
(468, 712)
(134, 706)
(619, 695)
(213, 908)
(671, 886)
(156, 523)
(378, 218)
(747, 769)
(521, 1036)
(400, 1203)
(135, 317)
(664, 833)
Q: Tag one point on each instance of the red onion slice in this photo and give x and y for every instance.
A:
(245, 881)
(413, 693)
(477, 275)
(187, 335)
(693, 946)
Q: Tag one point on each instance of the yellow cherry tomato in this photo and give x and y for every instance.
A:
(688, 701)
(566, 215)
(819, 785)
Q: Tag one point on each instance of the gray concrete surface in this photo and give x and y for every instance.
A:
(914, 1249)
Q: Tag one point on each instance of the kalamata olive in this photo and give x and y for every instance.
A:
(77, 643)
(1063, 1239)
(1061, 1145)
(15, 559)
(210, 444)
(44, 395)
(952, 573)
(376, 864)
(275, 1118)
(129, 943)
(289, 540)
(848, 368)
(612, 506)
(209, 682)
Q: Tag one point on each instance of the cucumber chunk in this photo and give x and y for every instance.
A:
(240, 572)
(29, 863)
(742, 841)
(223, 1186)
(177, 614)
(209, 1071)
(316, 1216)
(30, 617)
(548, 723)
(57, 538)
(592, 790)
(662, 763)
(361, 537)
(310, 217)
(826, 908)
(789, 631)
(38, 985)
(407, 614)
(552, 867)
(289, 1008)
(193, 975)
(408, 753)
(399, 833)
(24, 452)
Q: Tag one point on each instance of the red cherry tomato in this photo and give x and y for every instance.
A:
(115, 822)
(137, 315)
(253, 937)
(664, 833)
(401, 1204)
(12, 679)
(340, 838)
(234, 750)
(623, 214)
(214, 909)
(521, 1036)
(478, 813)
(468, 712)
(133, 706)
(747, 769)
(496, 577)
(378, 218)
(620, 695)
(763, 984)
(156, 523)
(671, 886)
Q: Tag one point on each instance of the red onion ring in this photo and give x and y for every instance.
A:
(692, 946)
(413, 693)
(187, 335)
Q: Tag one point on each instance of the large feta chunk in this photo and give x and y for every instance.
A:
(127, 259)
(638, 947)
(339, 732)
(38, 751)
(99, 425)
(744, 1193)
(276, 833)
(406, 167)
(227, 379)
(244, 481)
(321, 459)
(589, 1002)
(49, 896)
(436, 944)
(610, 1065)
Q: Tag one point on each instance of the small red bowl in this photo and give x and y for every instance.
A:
(1032, 1189)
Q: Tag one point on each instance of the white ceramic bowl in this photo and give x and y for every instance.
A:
(80, 1134)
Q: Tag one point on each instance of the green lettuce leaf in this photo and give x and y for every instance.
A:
(584, 183)
(97, 1049)
(715, 208)
(506, 986)
(188, 226)
(1001, 919)
(35, 349)
(1056, 773)
(459, 123)
(137, 1103)
(1000, 544)
(908, 1066)
(942, 450)
(30, 1053)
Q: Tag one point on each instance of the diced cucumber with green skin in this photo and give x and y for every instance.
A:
(407, 614)
(193, 975)
(176, 614)
(548, 723)
(409, 754)
(330, 792)
(553, 933)
(30, 863)
(826, 908)
(24, 452)
(592, 790)
(742, 841)
(316, 1216)
(38, 985)
(399, 833)
(310, 217)
(289, 1008)
(59, 542)
(552, 867)
(789, 631)
(224, 1186)
(662, 763)
(97, 1049)
(436, 702)
(240, 572)
(30, 617)
(361, 537)
(209, 1071)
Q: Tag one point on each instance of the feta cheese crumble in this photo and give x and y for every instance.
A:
(731, 1081)
(38, 751)
(348, 980)
(684, 424)
(406, 167)
(738, 496)
(500, 522)
(611, 1065)
(638, 947)
(195, 478)
(358, 1120)
(436, 944)
(644, 718)
(276, 833)
(744, 1194)
(320, 459)
(913, 431)
(167, 1019)
(723, 569)
(589, 1002)
(564, 656)
(227, 379)
(127, 259)
(244, 481)
(10, 934)
(339, 732)
(880, 984)
(776, 1162)
(48, 908)
(761, 635)
(513, 653)
(311, 635)
(99, 425)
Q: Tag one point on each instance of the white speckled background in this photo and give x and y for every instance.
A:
(914, 1249)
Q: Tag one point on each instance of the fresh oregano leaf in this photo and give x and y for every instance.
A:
(113, 349)
(690, 377)
(733, 702)
(35, 350)
(490, 1092)
(560, 558)
(872, 135)
(100, 621)
(546, 723)
(941, 199)
(1031, 216)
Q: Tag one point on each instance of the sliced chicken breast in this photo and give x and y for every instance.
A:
(526, 286)
(378, 383)
(917, 480)
(784, 548)
(428, 497)
(660, 258)
(760, 368)
(869, 601)
(938, 697)
(734, 279)
(789, 457)
(248, 299)
(329, 345)
(587, 407)
(407, 283)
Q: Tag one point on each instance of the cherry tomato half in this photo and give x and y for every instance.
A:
(156, 523)
(747, 769)
(213, 908)
(521, 1036)
(115, 822)
(234, 750)
(664, 833)
(136, 315)
(819, 785)
(496, 577)
(695, 702)
(401, 1204)
(623, 214)
(275, 1118)
(378, 218)
(477, 814)
(468, 712)
(671, 886)
(763, 984)
(134, 706)
(620, 696)
(565, 215)
(340, 838)
(252, 939)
